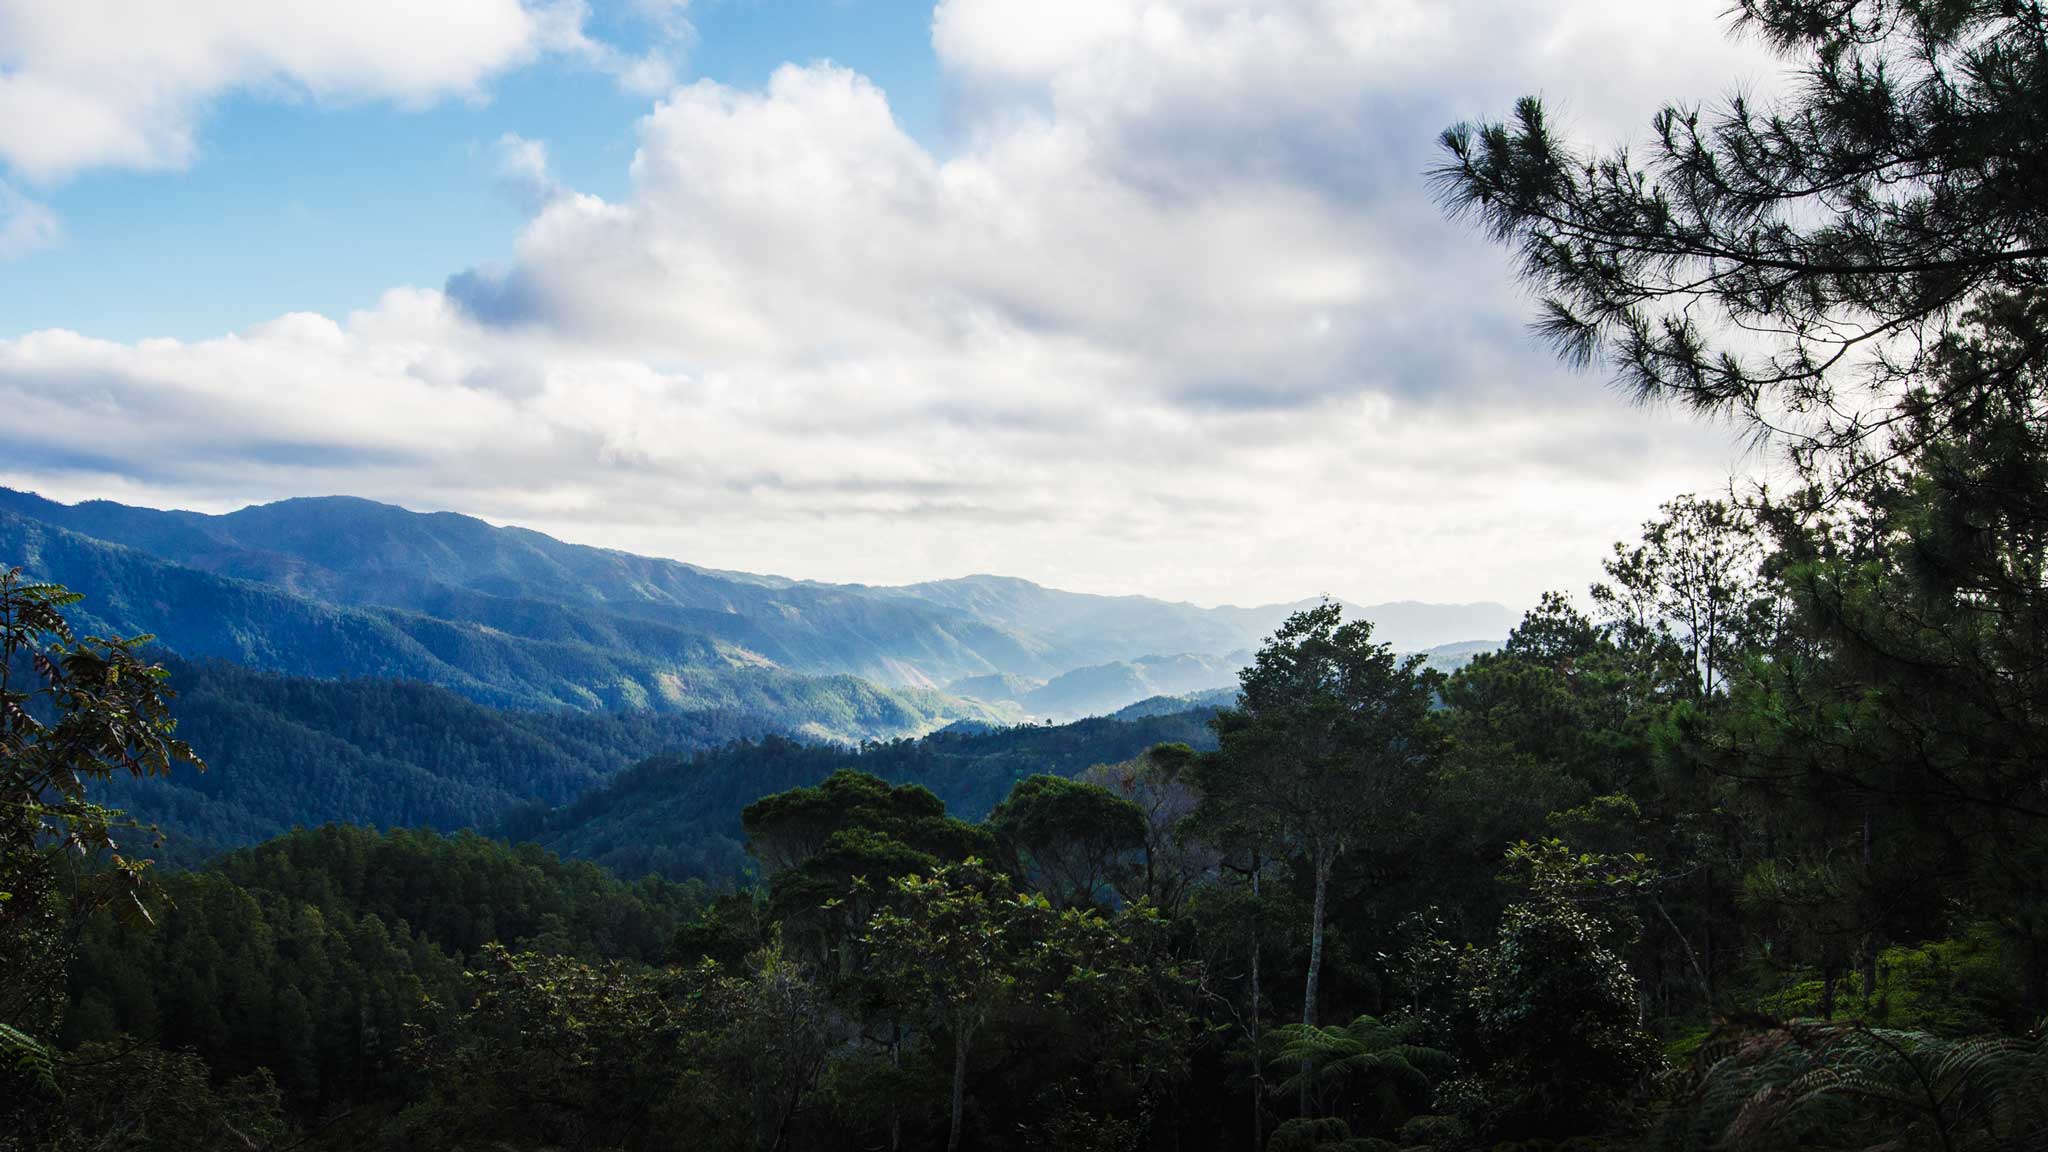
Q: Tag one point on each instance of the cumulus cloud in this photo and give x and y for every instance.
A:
(663, 24)
(523, 171)
(1231, 192)
(91, 83)
(25, 225)
(1175, 315)
(840, 470)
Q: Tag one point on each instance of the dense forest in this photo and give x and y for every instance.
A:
(1747, 847)
(289, 751)
(285, 751)
(679, 816)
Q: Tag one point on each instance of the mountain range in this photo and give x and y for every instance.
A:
(338, 587)
(339, 660)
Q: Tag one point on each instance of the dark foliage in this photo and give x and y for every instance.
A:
(679, 816)
(286, 751)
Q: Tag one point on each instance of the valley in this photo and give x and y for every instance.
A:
(344, 661)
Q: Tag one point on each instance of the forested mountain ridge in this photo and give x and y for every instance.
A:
(679, 816)
(308, 956)
(348, 551)
(1129, 628)
(519, 654)
(291, 751)
(351, 552)
(454, 706)
(286, 751)
(1111, 689)
(1102, 689)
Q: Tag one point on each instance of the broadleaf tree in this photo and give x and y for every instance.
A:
(1330, 744)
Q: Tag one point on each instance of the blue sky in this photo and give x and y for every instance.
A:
(1117, 295)
(302, 204)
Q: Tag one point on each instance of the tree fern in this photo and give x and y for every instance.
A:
(1372, 1057)
(1809, 1085)
(27, 1061)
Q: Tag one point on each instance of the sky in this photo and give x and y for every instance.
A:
(1116, 295)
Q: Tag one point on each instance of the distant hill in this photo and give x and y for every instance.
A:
(1101, 689)
(531, 655)
(337, 586)
(1104, 688)
(1205, 702)
(678, 816)
(1451, 657)
(344, 551)
(285, 751)
(291, 751)
(1090, 629)
(1163, 683)
(995, 687)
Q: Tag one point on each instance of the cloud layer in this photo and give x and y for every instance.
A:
(95, 83)
(24, 224)
(1174, 315)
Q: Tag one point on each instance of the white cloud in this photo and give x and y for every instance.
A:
(523, 171)
(850, 471)
(1230, 193)
(650, 71)
(92, 83)
(1176, 316)
(25, 225)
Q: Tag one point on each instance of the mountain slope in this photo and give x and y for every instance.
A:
(679, 816)
(347, 551)
(284, 751)
(548, 664)
(1103, 688)
(1095, 629)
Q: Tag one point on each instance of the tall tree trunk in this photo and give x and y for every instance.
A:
(1707, 932)
(1258, 1059)
(1870, 935)
(1691, 958)
(796, 1097)
(2034, 985)
(895, 1065)
(962, 1037)
(1323, 862)
(1315, 940)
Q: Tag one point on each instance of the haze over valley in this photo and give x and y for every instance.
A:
(339, 587)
